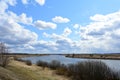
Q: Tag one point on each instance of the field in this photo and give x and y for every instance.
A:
(20, 71)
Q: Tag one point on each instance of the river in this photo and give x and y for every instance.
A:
(114, 64)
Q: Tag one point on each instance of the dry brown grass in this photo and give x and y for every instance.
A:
(24, 72)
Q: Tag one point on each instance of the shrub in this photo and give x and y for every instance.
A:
(54, 64)
(15, 58)
(28, 62)
(42, 64)
(4, 56)
(71, 69)
(92, 70)
(19, 59)
(62, 71)
(87, 70)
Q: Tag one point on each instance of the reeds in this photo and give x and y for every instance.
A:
(86, 70)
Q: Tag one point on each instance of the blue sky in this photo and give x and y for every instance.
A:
(60, 26)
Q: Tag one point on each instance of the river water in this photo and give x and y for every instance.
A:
(114, 64)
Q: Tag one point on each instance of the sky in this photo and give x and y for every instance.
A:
(60, 26)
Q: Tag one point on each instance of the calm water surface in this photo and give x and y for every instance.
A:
(114, 64)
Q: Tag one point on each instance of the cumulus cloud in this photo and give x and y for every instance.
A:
(24, 19)
(25, 1)
(5, 3)
(76, 26)
(44, 25)
(12, 32)
(3, 7)
(40, 2)
(45, 34)
(61, 42)
(102, 33)
(11, 2)
(21, 18)
(15, 35)
(67, 31)
(59, 19)
(99, 36)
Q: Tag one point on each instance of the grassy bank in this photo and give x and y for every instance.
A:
(86, 70)
(20, 71)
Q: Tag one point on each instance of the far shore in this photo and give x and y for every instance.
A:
(21, 55)
(95, 56)
(112, 56)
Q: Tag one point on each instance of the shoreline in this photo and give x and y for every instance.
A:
(85, 56)
(95, 56)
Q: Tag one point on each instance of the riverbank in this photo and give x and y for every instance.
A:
(95, 56)
(113, 56)
(18, 55)
(20, 71)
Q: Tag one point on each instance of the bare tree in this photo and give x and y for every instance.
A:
(4, 57)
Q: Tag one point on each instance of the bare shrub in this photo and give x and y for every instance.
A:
(28, 62)
(92, 70)
(4, 57)
(42, 64)
(54, 64)
(62, 70)
(86, 70)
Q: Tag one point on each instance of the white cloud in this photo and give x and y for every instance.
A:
(40, 2)
(45, 34)
(11, 2)
(76, 26)
(25, 1)
(4, 5)
(59, 19)
(13, 32)
(98, 17)
(44, 25)
(105, 18)
(21, 18)
(15, 35)
(62, 36)
(101, 34)
(62, 43)
(67, 32)
(24, 19)
(45, 46)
